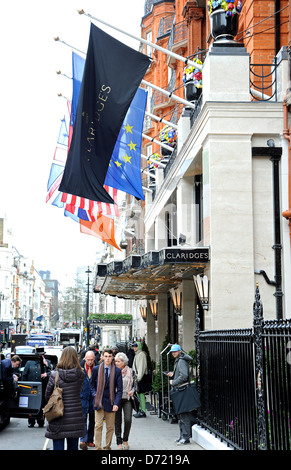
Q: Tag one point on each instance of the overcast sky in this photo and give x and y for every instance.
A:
(31, 114)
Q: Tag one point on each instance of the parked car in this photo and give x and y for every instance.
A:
(26, 401)
(24, 350)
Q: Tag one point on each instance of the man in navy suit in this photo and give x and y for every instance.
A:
(106, 385)
(9, 378)
(7, 369)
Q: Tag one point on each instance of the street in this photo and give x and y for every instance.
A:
(17, 436)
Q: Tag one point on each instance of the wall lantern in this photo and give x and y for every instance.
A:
(143, 312)
(154, 308)
(176, 295)
(202, 288)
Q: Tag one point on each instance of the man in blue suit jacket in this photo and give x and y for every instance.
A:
(106, 385)
(8, 376)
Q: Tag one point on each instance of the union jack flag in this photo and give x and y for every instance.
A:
(83, 208)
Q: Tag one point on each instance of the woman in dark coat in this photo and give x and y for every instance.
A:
(71, 425)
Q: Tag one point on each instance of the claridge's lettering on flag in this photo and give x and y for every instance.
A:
(112, 74)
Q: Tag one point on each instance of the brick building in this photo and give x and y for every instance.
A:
(214, 205)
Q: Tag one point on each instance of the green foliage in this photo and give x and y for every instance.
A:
(109, 316)
(157, 382)
(192, 363)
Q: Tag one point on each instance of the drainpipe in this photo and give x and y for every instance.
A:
(277, 27)
(275, 159)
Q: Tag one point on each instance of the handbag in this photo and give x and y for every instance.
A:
(55, 407)
(185, 398)
(145, 384)
(135, 402)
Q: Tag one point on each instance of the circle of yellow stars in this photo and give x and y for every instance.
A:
(131, 145)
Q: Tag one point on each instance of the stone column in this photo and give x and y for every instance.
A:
(151, 333)
(188, 311)
(227, 188)
(160, 231)
(162, 320)
(185, 205)
(228, 228)
(226, 74)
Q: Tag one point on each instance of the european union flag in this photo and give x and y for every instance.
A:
(78, 70)
(124, 171)
(112, 74)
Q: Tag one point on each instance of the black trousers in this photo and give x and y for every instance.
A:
(186, 421)
(125, 408)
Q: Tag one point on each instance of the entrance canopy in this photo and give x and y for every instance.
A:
(145, 276)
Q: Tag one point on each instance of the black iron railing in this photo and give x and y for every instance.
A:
(263, 81)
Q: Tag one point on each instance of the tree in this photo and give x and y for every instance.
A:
(74, 304)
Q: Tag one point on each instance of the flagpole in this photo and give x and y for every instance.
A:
(161, 120)
(144, 82)
(169, 94)
(167, 147)
(148, 174)
(63, 42)
(152, 160)
(154, 46)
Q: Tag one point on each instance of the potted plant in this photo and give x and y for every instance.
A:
(168, 136)
(224, 19)
(155, 156)
(192, 78)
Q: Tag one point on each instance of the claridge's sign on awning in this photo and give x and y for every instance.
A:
(144, 276)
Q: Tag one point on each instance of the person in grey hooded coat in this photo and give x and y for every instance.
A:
(179, 376)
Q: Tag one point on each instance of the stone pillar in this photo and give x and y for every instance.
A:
(151, 333)
(185, 205)
(188, 311)
(160, 231)
(228, 228)
(282, 74)
(226, 74)
(162, 321)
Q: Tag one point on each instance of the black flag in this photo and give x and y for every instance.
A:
(112, 74)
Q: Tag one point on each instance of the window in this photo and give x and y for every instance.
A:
(149, 48)
(198, 205)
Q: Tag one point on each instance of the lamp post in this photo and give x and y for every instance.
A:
(143, 312)
(87, 307)
(176, 295)
(202, 288)
(154, 308)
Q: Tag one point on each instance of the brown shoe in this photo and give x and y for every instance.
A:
(90, 444)
(83, 446)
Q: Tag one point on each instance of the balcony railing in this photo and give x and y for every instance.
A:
(165, 25)
(158, 98)
(263, 81)
(178, 34)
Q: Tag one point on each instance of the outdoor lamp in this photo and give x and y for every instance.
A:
(154, 308)
(143, 312)
(176, 295)
(202, 288)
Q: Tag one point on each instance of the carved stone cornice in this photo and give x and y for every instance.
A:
(192, 11)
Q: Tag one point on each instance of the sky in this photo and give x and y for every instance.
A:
(31, 114)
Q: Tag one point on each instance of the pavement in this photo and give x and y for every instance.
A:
(154, 433)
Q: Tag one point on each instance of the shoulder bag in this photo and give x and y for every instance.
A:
(55, 407)
(185, 398)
